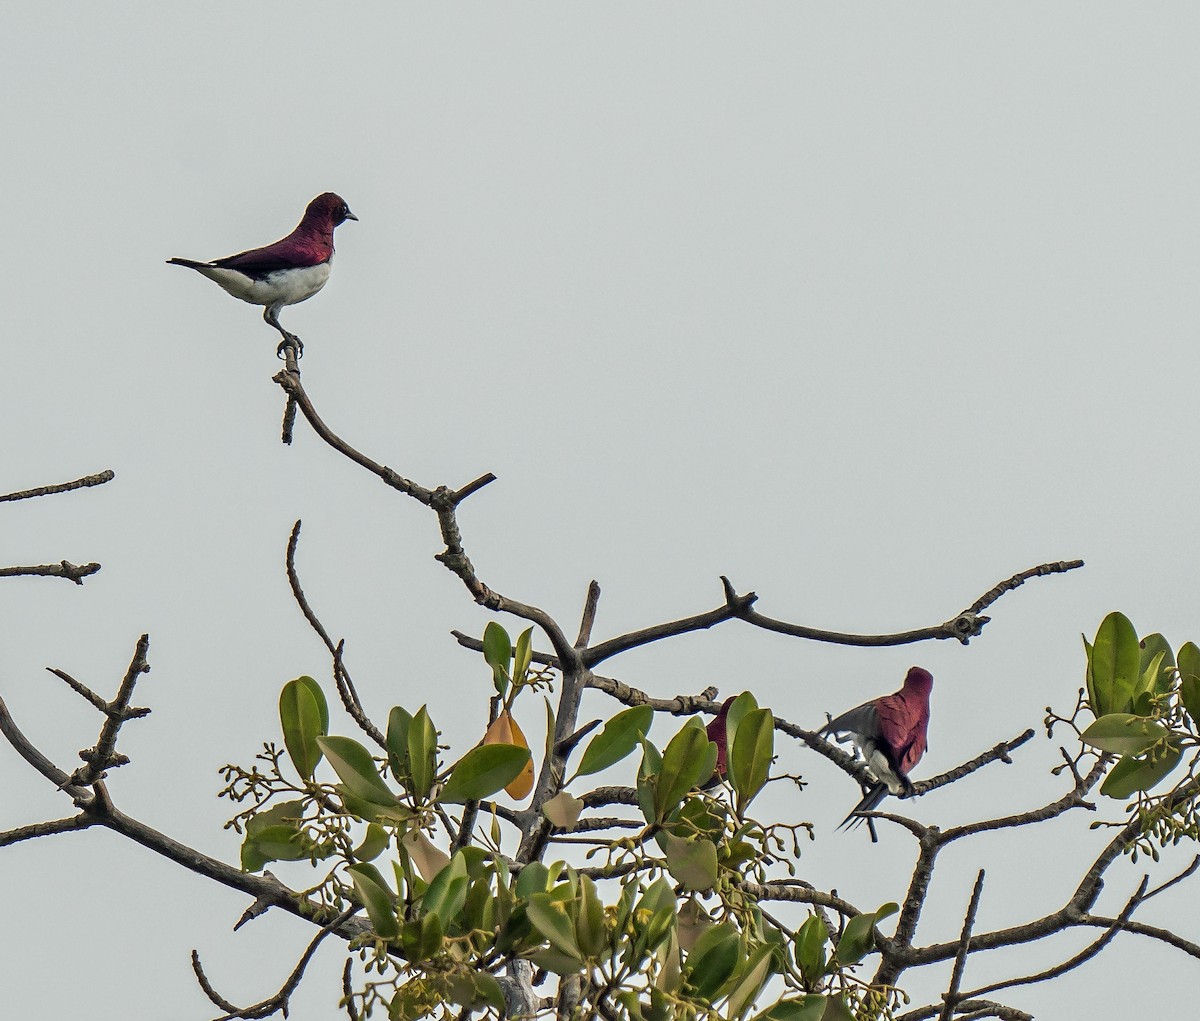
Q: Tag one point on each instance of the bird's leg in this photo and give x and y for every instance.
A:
(271, 316)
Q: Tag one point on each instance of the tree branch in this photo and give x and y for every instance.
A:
(63, 569)
(62, 487)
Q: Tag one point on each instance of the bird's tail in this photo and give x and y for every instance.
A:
(869, 803)
(189, 263)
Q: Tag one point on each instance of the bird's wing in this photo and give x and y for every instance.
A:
(902, 730)
(863, 720)
(259, 262)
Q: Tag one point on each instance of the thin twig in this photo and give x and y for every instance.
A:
(62, 487)
(63, 569)
(951, 998)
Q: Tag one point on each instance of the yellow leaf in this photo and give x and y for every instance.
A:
(506, 731)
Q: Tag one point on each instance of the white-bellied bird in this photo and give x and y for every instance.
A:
(286, 272)
(890, 733)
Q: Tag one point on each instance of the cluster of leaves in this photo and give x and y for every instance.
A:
(1146, 703)
(634, 928)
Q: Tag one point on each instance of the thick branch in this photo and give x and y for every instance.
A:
(63, 569)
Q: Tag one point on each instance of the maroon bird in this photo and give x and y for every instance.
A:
(891, 734)
(716, 734)
(287, 272)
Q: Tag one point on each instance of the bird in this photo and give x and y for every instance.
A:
(286, 272)
(891, 733)
(716, 734)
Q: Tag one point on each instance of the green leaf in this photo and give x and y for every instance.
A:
(743, 704)
(422, 938)
(1115, 665)
(1124, 734)
(497, 650)
(522, 655)
(750, 983)
(356, 769)
(280, 843)
(591, 934)
(483, 771)
(377, 898)
(688, 758)
(1148, 683)
(373, 844)
(1141, 774)
(692, 862)
(447, 891)
(422, 753)
(655, 914)
(552, 921)
(534, 878)
(811, 956)
(809, 1008)
(488, 990)
(1189, 684)
(304, 717)
(858, 937)
(399, 720)
(647, 776)
(713, 960)
(618, 738)
(1152, 645)
(750, 755)
(836, 1009)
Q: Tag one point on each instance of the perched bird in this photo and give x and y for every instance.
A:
(890, 733)
(286, 272)
(716, 734)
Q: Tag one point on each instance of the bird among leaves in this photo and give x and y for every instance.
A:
(291, 270)
(891, 734)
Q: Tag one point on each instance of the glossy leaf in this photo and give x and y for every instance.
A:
(591, 933)
(618, 738)
(373, 844)
(497, 650)
(422, 753)
(753, 976)
(750, 755)
(656, 913)
(743, 704)
(447, 891)
(858, 937)
(1124, 734)
(809, 1008)
(1189, 683)
(1142, 773)
(552, 921)
(483, 771)
(399, 720)
(304, 716)
(693, 922)
(356, 769)
(562, 810)
(534, 878)
(713, 960)
(689, 758)
(422, 938)
(1115, 665)
(1148, 684)
(505, 731)
(377, 898)
(522, 655)
(1151, 646)
(692, 862)
(811, 955)
(837, 1010)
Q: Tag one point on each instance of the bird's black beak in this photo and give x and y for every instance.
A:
(349, 215)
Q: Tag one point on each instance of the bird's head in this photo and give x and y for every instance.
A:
(328, 208)
(919, 681)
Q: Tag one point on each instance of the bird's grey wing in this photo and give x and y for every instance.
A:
(861, 720)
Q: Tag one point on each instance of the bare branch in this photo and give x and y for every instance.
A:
(63, 569)
(589, 615)
(62, 487)
(1084, 955)
(962, 628)
(279, 1001)
(80, 689)
(951, 999)
(45, 829)
(103, 755)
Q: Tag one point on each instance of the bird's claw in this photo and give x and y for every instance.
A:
(292, 341)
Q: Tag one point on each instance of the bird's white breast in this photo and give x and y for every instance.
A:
(283, 287)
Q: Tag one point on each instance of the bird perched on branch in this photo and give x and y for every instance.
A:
(716, 734)
(890, 732)
(287, 272)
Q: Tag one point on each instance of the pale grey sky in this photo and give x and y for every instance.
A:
(867, 306)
